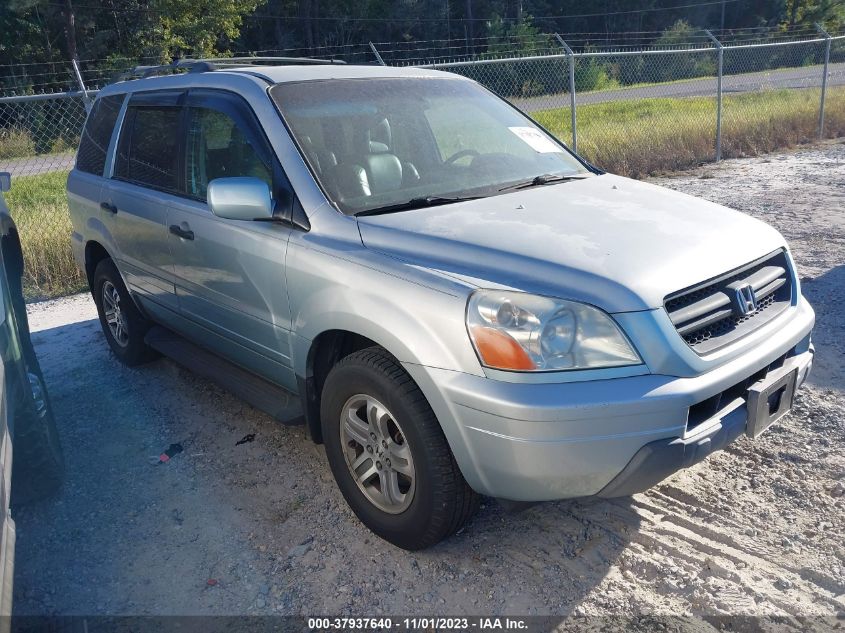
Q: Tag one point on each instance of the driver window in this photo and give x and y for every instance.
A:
(217, 148)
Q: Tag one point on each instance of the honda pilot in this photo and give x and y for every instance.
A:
(451, 300)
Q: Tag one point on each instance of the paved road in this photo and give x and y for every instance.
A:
(37, 164)
(805, 77)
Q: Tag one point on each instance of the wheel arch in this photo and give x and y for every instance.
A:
(323, 353)
(315, 357)
(338, 319)
(95, 252)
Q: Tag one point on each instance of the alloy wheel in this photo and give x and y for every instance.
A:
(377, 454)
(114, 316)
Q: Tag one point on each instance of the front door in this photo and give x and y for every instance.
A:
(230, 274)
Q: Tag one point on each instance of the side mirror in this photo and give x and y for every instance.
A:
(241, 198)
(5, 181)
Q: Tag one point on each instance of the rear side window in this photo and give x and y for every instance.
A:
(96, 136)
(148, 151)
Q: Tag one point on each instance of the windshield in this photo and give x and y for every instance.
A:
(378, 142)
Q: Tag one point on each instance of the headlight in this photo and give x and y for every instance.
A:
(522, 332)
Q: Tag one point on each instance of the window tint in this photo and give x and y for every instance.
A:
(218, 148)
(148, 152)
(96, 136)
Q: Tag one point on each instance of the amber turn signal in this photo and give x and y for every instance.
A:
(500, 351)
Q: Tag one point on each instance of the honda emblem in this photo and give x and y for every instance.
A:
(745, 302)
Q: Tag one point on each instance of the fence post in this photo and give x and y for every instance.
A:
(721, 53)
(827, 38)
(85, 98)
(571, 57)
(376, 53)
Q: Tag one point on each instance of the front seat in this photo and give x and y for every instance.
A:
(377, 170)
(384, 169)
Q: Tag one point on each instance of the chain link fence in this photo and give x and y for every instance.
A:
(831, 120)
(628, 110)
(772, 97)
(40, 133)
(638, 112)
(38, 139)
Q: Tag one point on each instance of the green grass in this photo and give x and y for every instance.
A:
(647, 136)
(39, 207)
(15, 143)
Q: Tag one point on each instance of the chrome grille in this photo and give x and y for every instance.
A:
(719, 311)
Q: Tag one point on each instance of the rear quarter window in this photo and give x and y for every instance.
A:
(91, 157)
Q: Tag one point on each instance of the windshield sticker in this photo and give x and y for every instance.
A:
(536, 140)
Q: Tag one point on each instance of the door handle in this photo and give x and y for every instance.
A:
(108, 206)
(185, 234)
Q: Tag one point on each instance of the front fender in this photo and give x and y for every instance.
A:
(382, 299)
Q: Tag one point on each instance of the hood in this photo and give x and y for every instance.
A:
(617, 243)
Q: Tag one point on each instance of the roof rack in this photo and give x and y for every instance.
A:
(219, 63)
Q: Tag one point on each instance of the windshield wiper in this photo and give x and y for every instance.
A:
(415, 203)
(543, 179)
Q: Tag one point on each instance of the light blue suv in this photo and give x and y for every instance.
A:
(460, 304)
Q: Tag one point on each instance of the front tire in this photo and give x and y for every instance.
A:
(388, 453)
(123, 324)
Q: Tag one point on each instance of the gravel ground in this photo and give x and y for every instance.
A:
(260, 528)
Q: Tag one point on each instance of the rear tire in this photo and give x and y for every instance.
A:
(424, 498)
(123, 324)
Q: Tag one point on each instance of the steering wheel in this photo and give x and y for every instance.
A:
(459, 155)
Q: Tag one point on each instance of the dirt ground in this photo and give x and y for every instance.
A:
(260, 528)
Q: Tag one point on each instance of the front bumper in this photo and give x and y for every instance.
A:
(540, 442)
(657, 460)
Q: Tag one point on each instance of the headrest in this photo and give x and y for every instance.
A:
(380, 137)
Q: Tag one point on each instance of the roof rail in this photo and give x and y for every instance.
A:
(249, 61)
(218, 63)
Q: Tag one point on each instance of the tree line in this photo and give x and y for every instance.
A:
(39, 37)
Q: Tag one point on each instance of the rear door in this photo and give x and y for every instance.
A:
(146, 178)
(229, 274)
(85, 182)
